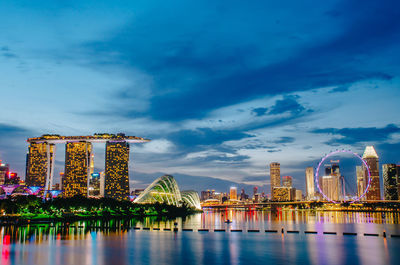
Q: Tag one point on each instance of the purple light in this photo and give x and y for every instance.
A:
(8, 189)
(334, 153)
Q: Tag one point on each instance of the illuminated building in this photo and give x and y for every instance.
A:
(102, 184)
(233, 193)
(372, 159)
(362, 181)
(4, 169)
(281, 194)
(116, 172)
(287, 181)
(41, 157)
(12, 178)
(310, 188)
(77, 161)
(94, 183)
(61, 180)
(299, 195)
(390, 181)
(166, 190)
(275, 175)
(330, 187)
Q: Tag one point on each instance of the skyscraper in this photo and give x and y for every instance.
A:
(310, 189)
(275, 174)
(372, 159)
(390, 181)
(40, 164)
(4, 170)
(116, 171)
(233, 193)
(287, 181)
(361, 181)
(76, 174)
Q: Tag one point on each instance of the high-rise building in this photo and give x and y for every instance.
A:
(62, 180)
(40, 164)
(275, 175)
(102, 183)
(77, 166)
(116, 172)
(310, 189)
(361, 181)
(94, 184)
(299, 195)
(233, 193)
(390, 181)
(287, 181)
(4, 170)
(281, 194)
(372, 159)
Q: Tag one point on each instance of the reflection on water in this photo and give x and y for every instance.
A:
(116, 242)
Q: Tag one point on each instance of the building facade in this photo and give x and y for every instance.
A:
(372, 159)
(310, 187)
(233, 193)
(275, 175)
(390, 181)
(116, 170)
(77, 168)
(287, 181)
(281, 194)
(40, 163)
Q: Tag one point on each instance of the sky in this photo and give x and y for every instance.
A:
(222, 88)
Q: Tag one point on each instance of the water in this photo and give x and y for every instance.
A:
(115, 243)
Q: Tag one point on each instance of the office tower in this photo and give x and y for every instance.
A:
(233, 193)
(62, 180)
(292, 193)
(12, 178)
(77, 162)
(255, 189)
(299, 195)
(398, 180)
(281, 194)
(94, 184)
(117, 176)
(390, 182)
(102, 184)
(4, 169)
(91, 166)
(40, 163)
(275, 174)
(287, 181)
(361, 181)
(372, 159)
(310, 189)
(330, 182)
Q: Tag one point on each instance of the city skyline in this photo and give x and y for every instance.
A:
(222, 98)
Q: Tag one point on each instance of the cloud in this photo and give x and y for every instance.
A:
(284, 140)
(338, 89)
(205, 136)
(259, 111)
(214, 68)
(287, 104)
(357, 135)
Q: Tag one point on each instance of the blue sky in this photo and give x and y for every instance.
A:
(222, 87)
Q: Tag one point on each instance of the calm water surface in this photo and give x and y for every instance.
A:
(116, 242)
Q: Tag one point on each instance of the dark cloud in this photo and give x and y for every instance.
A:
(9, 130)
(284, 140)
(287, 104)
(199, 66)
(357, 135)
(205, 136)
(259, 111)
